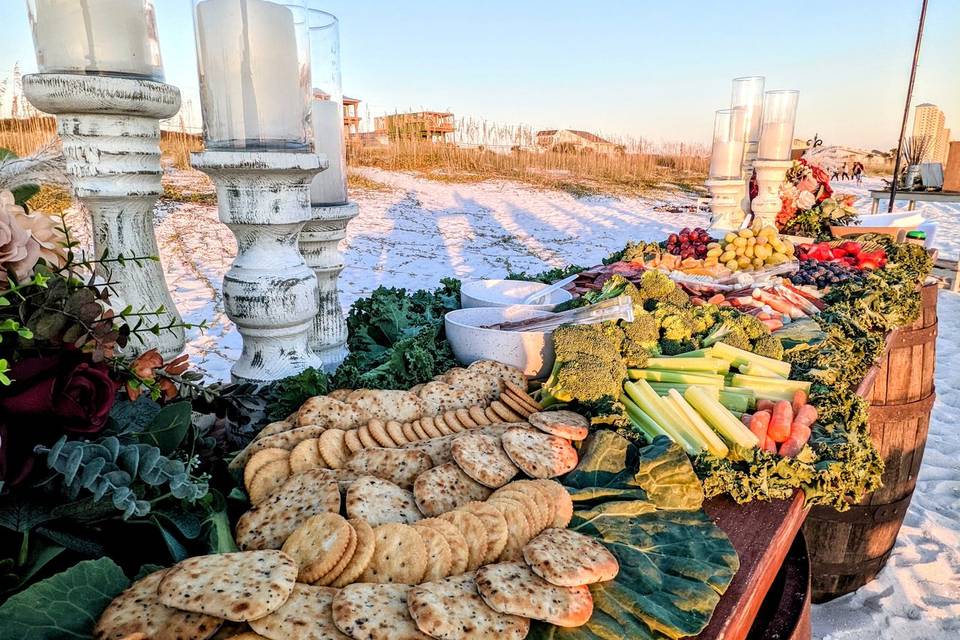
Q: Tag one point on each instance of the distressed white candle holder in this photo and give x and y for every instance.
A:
(770, 175)
(110, 130)
(269, 292)
(319, 245)
(725, 198)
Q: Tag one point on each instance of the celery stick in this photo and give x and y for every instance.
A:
(754, 369)
(720, 419)
(682, 424)
(772, 384)
(734, 401)
(662, 388)
(737, 357)
(651, 404)
(699, 353)
(709, 365)
(641, 421)
(714, 444)
(774, 395)
(652, 375)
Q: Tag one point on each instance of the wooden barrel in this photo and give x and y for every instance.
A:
(847, 550)
(785, 612)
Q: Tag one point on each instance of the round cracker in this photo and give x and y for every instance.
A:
(518, 527)
(512, 588)
(442, 426)
(521, 395)
(451, 609)
(419, 431)
(544, 497)
(563, 424)
(435, 427)
(351, 440)
(494, 524)
(504, 412)
(306, 456)
(538, 454)
(459, 550)
(366, 439)
(482, 458)
(473, 531)
(539, 516)
(492, 416)
(409, 433)
(399, 555)
(318, 545)
(260, 458)
(378, 430)
(478, 416)
(569, 559)
(563, 513)
(380, 502)
(361, 555)
(334, 573)
(514, 405)
(439, 555)
(463, 417)
(395, 431)
(333, 449)
(446, 487)
(268, 479)
(453, 422)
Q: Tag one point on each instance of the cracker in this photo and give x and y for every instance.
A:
(306, 615)
(332, 448)
(492, 415)
(351, 440)
(378, 430)
(463, 417)
(478, 416)
(443, 425)
(431, 427)
(274, 428)
(504, 372)
(138, 611)
(518, 527)
(379, 501)
(361, 555)
(268, 479)
(515, 405)
(437, 448)
(340, 394)
(395, 431)
(445, 488)
(561, 499)
(284, 440)
(399, 555)
(485, 385)
(331, 413)
(375, 612)
(459, 550)
(418, 430)
(365, 438)
(451, 609)
(234, 586)
(538, 454)
(520, 393)
(270, 523)
(545, 498)
(482, 458)
(260, 458)
(399, 466)
(387, 404)
(504, 412)
(569, 559)
(306, 456)
(408, 432)
(439, 397)
(318, 545)
(563, 424)
(439, 556)
(328, 578)
(473, 531)
(540, 516)
(230, 631)
(494, 524)
(453, 422)
(512, 588)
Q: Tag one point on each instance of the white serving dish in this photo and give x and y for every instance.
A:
(529, 351)
(505, 293)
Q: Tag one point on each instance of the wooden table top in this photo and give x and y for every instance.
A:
(762, 533)
(930, 196)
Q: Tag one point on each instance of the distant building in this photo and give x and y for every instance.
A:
(571, 140)
(928, 121)
(351, 117)
(434, 126)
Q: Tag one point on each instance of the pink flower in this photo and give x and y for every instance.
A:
(46, 233)
(808, 184)
(19, 252)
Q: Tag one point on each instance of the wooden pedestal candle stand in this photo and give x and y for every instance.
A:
(770, 175)
(319, 242)
(110, 131)
(725, 204)
(848, 550)
(269, 292)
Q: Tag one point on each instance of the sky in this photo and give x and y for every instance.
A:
(649, 69)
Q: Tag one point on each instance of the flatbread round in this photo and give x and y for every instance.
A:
(399, 466)
(563, 424)
(138, 611)
(380, 502)
(399, 555)
(494, 524)
(473, 531)
(333, 448)
(539, 455)
(375, 612)
(387, 404)
(482, 458)
(451, 609)
(306, 615)
(512, 588)
(459, 550)
(361, 555)
(318, 545)
(569, 559)
(274, 428)
(445, 488)
(439, 556)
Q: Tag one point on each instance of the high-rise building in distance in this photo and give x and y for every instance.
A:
(928, 121)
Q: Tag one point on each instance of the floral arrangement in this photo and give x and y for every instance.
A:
(808, 204)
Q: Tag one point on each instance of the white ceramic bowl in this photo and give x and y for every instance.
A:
(504, 293)
(529, 351)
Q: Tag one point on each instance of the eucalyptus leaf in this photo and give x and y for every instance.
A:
(168, 428)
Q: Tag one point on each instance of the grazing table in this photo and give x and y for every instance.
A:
(913, 197)
(762, 533)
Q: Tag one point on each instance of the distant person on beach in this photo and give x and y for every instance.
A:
(858, 172)
(844, 174)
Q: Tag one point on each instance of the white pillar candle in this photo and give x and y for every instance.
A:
(726, 159)
(251, 87)
(96, 36)
(330, 186)
(776, 141)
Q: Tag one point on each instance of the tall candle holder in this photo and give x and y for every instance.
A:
(254, 68)
(328, 193)
(776, 143)
(725, 184)
(748, 94)
(108, 97)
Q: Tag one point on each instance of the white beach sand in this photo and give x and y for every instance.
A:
(419, 231)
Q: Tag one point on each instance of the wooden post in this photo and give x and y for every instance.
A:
(906, 107)
(110, 131)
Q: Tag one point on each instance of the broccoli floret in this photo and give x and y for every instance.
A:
(676, 347)
(587, 367)
(735, 329)
(639, 340)
(769, 346)
(703, 318)
(675, 322)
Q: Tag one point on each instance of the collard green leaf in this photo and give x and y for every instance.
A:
(22, 513)
(65, 605)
